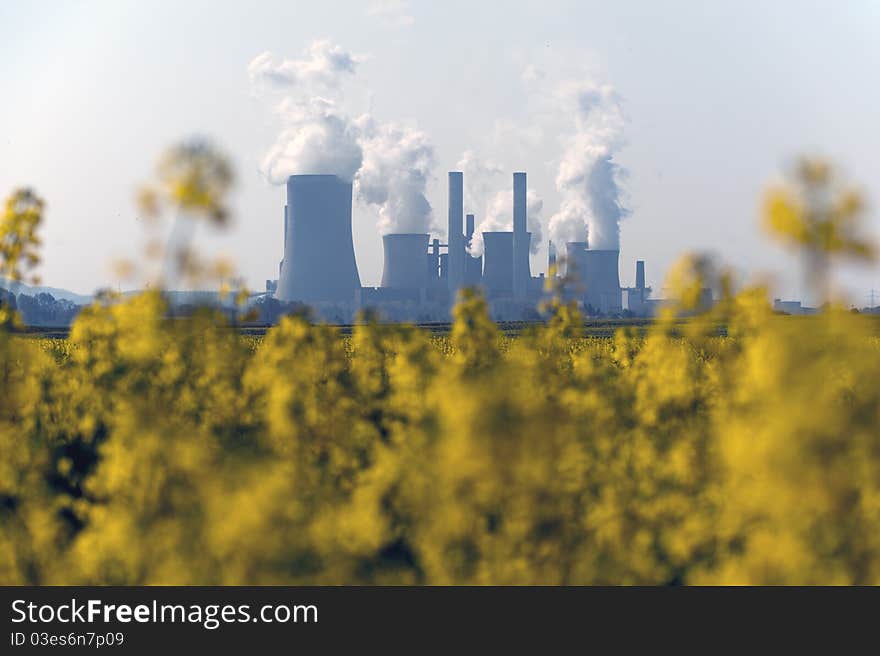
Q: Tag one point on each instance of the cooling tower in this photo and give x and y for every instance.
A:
(574, 260)
(602, 280)
(404, 266)
(520, 240)
(498, 261)
(319, 262)
(433, 263)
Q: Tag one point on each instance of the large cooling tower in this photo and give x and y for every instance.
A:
(319, 262)
(574, 260)
(602, 280)
(498, 261)
(404, 266)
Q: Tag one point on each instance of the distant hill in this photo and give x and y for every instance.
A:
(33, 290)
(175, 298)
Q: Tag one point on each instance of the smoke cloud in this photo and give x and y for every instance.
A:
(394, 175)
(481, 177)
(323, 67)
(315, 138)
(588, 179)
(499, 216)
(390, 164)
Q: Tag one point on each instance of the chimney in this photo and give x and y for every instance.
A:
(520, 244)
(640, 274)
(455, 250)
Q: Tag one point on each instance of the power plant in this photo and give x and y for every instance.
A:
(318, 262)
(319, 266)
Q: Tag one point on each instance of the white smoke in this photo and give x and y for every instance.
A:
(323, 67)
(481, 176)
(395, 172)
(390, 164)
(499, 217)
(588, 179)
(315, 138)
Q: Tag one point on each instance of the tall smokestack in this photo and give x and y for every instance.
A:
(640, 274)
(455, 276)
(520, 243)
(319, 262)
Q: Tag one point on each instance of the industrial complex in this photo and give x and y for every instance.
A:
(421, 276)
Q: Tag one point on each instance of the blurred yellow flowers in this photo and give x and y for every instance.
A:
(145, 450)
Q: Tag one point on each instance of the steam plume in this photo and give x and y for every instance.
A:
(395, 172)
(588, 179)
(389, 163)
(499, 216)
(315, 138)
(323, 67)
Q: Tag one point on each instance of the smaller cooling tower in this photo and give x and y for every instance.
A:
(575, 266)
(498, 261)
(404, 266)
(602, 280)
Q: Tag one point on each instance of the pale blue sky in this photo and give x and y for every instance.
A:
(719, 97)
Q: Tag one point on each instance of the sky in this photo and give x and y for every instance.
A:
(695, 107)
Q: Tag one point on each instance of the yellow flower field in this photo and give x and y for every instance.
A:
(146, 450)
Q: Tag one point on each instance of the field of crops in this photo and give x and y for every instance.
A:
(147, 450)
(737, 446)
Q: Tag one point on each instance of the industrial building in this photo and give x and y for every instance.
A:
(319, 265)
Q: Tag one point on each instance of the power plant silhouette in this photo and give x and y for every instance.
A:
(319, 264)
